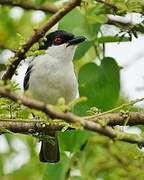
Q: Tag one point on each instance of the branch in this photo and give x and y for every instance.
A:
(121, 24)
(33, 126)
(71, 118)
(28, 6)
(118, 118)
(113, 6)
(27, 126)
(39, 33)
(126, 25)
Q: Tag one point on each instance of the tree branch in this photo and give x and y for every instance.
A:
(71, 118)
(126, 25)
(39, 33)
(118, 118)
(27, 6)
(113, 6)
(27, 126)
(33, 126)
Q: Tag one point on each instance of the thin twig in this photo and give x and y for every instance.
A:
(113, 6)
(71, 118)
(131, 103)
(53, 9)
(39, 33)
(29, 6)
(129, 26)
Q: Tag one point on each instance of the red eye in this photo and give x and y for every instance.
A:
(57, 40)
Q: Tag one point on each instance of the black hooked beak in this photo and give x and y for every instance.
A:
(76, 40)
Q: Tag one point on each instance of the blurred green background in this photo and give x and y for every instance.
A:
(84, 155)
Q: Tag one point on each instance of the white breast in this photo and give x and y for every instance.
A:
(52, 78)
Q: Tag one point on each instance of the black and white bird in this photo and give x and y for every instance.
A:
(51, 76)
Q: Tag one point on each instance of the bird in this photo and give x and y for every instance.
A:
(51, 76)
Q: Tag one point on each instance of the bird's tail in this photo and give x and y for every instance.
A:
(50, 150)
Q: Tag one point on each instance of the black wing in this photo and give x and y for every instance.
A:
(27, 77)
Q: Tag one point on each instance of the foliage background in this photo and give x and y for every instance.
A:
(89, 156)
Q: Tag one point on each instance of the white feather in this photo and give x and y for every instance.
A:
(53, 75)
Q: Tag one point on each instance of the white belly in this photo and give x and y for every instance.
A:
(52, 79)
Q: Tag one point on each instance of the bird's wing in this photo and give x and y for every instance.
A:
(27, 77)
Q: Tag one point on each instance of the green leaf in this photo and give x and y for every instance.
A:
(77, 23)
(23, 113)
(100, 84)
(97, 19)
(57, 171)
(2, 67)
(82, 49)
(39, 2)
(106, 39)
(72, 140)
(96, 14)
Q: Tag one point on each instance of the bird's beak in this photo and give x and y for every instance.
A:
(76, 40)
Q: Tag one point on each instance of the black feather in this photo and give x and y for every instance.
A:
(49, 39)
(27, 77)
(50, 150)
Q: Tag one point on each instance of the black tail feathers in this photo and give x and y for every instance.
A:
(50, 150)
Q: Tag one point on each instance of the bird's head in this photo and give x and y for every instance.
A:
(61, 44)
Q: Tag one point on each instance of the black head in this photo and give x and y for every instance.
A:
(60, 37)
